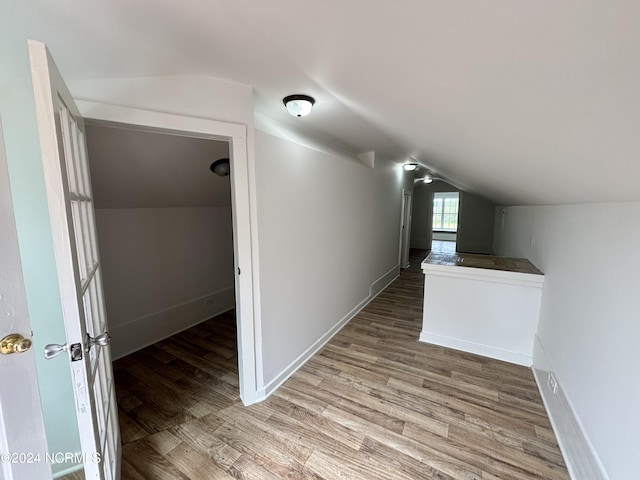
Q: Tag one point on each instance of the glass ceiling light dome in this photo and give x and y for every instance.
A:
(298, 105)
(221, 167)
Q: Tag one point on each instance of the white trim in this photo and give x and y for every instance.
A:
(385, 280)
(443, 196)
(305, 356)
(173, 307)
(579, 455)
(255, 283)
(446, 195)
(405, 233)
(484, 275)
(477, 348)
(400, 242)
(243, 192)
(149, 121)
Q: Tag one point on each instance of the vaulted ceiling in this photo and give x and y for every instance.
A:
(138, 169)
(526, 102)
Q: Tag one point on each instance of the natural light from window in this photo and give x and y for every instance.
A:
(445, 211)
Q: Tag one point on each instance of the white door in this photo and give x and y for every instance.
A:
(22, 439)
(66, 171)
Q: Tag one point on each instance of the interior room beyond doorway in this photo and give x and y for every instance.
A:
(164, 222)
(444, 224)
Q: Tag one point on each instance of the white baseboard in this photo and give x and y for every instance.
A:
(377, 286)
(383, 282)
(581, 459)
(149, 329)
(477, 348)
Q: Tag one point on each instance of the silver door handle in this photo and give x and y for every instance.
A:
(102, 340)
(53, 350)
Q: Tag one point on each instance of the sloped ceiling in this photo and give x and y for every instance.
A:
(135, 169)
(524, 102)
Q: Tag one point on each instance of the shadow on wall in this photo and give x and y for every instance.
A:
(475, 221)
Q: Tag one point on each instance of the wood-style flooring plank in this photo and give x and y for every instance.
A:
(195, 464)
(374, 403)
(148, 463)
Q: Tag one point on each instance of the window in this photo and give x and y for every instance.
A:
(445, 211)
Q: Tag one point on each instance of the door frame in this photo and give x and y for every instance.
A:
(21, 422)
(405, 228)
(243, 195)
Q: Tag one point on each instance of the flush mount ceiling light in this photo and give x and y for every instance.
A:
(298, 105)
(410, 167)
(221, 167)
(427, 179)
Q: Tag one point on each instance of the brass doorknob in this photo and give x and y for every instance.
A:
(14, 343)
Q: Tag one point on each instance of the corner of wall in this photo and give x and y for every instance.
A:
(578, 453)
(498, 230)
(149, 329)
(376, 287)
(269, 126)
(368, 158)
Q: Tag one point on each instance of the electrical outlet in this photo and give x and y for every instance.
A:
(531, 241)
(553, 383)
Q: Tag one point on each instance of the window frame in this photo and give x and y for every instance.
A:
(442, 213)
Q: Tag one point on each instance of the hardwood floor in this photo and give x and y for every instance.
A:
(444, 246)
(373, 404)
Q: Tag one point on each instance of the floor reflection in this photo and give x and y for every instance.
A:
(444, 246)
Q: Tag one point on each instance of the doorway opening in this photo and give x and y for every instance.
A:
(245, 327)
(444, 223)
(245, 266)
(164, 224)
(165, 231)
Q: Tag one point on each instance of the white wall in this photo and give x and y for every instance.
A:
(589, 332)
(329, 235)
(164, 270)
